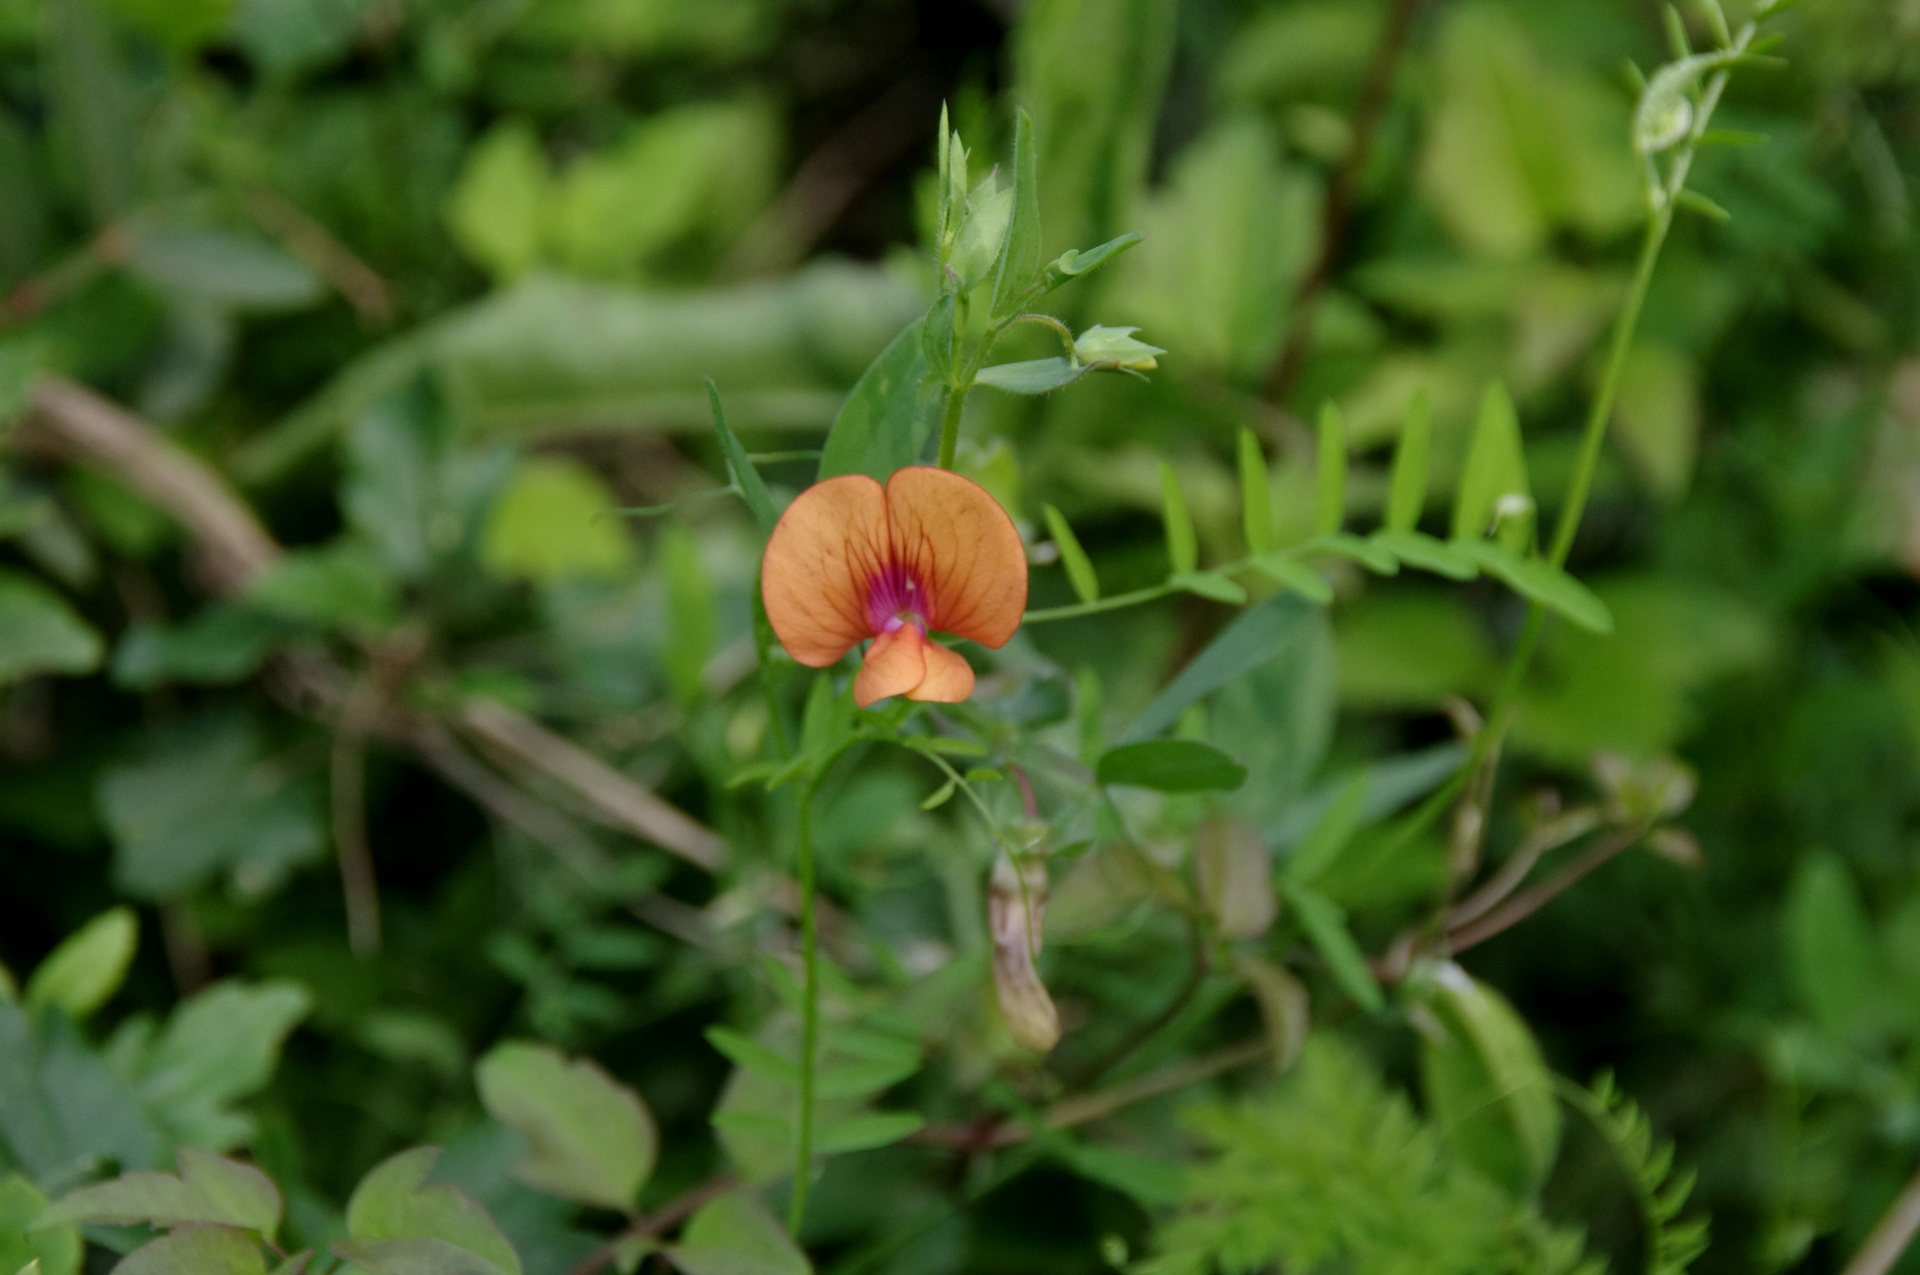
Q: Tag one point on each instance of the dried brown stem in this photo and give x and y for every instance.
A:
(370, 295)
(1525, 904)
(1336, 219)
(1896, 1229)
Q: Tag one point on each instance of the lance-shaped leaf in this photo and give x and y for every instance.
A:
(1330, 497)
(1075, 262)
(1249, 642)
(746, 479)
(1020, 260)
(1183, 545)
(1079, 568)
(1325, 923)
(1496, 467)
(1033, 376)
(1407, 489)
(1256, 494)
(1540, 581)
(593, 1140)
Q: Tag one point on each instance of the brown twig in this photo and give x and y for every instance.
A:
(1896, 1229)
(70, 421)
(1527, 902)
(1508, 878)
(660, 1220)
(63, 277)
(1342, 195)
(370, 295)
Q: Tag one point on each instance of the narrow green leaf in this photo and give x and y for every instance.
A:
(1079, 568)
(745, 1052)
(940, 796)
(1210, 584)
(746, 479)
(868, 1131)
(1419, 550)
(1171, 765)
(1261, 635)
(1496, 466)
(1183, 546)
(1256, 494)
(1295, 575)
(1677, 43)
(1360, 550)
(1330, 501)
(1540, 581)
(1731, 137)
(1717, 19)
(1020, 260)
(592, 1139)
(1331, 835)
(1325, 924)
(88, 967)
(1695, 202)
(1407, 490)
(1075, 262)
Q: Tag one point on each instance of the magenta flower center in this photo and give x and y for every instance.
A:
(896, 599)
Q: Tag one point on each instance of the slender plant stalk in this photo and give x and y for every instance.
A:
(809, 1015)
(1891, 1237)
(950, 425)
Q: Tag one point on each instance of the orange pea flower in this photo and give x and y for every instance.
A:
(931, 551)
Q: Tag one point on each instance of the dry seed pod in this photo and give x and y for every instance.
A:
(1016, 917)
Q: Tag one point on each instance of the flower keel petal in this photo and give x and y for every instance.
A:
(896, 663)
(949, 678)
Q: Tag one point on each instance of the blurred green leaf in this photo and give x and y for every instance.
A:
(1020, 259)
(208, 1191)
(735, 1235)
(1488, 1086)
(57, 1250)
(340, 586)
(554, 521)
(41, 632)
(1496, 467)
(197, 1250)
(1330, 501)
(92, 94)
(1034, 376)
(285, 37)
(746, 479)
(1325, 924)
(202, 799)
(88, 967)
(1256, 494)
(1407, 495)
(1251, 641)
(224, 268)
(1171, 765)
(417, 1255)
(1829, 945)
(887, 420)
(219, 646)
(217, 1047)
(1183, 546)
(1542, 582)
(1330, 836)
(497, 212)
(1079, 568)
(593, 1140)
(393, 1203)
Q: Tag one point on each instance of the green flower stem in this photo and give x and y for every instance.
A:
(809, 1015)
(1114, 603)
(950, 420)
